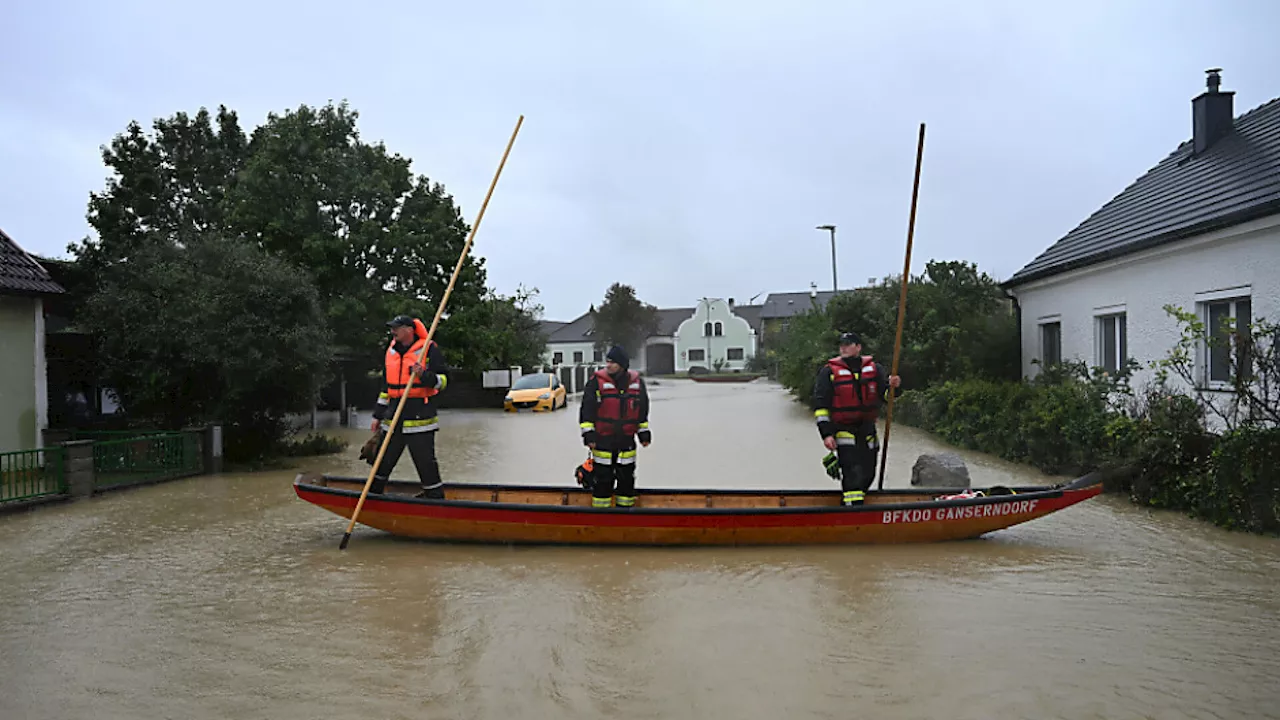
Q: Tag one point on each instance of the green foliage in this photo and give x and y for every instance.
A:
(622, 319)
(318, 225)
(499, 332)
(373, 237)
(375, 240)
(1073, 420)
(958, 325)
(214, 330)
(312, 444)
(1060, 422)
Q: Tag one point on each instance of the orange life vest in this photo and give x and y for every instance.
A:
(399, 367)
(856, 397)
(618, 410)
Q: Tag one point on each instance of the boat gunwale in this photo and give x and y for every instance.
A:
(1046, 493)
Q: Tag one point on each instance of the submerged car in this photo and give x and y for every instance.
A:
(539, 391)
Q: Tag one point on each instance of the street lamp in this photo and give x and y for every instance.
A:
(831, 228)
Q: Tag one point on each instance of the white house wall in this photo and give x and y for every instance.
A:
(736, 333)
(1244, 260)
(567, 350)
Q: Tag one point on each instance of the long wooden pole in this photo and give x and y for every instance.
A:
(422, 356)
(902, 304)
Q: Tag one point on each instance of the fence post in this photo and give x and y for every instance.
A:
(78, 456)
(212, 447)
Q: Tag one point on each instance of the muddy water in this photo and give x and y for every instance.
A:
(227, 597)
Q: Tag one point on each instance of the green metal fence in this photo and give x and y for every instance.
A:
(31, 474)
(146, 458)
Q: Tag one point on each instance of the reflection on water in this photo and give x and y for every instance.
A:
(227, 597)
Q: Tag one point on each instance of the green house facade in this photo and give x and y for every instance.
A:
(24, 401)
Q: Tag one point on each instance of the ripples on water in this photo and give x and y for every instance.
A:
(226, 597)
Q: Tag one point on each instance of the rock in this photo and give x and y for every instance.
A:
(940, 470)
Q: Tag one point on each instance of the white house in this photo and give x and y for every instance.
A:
(715, 332)
(572, 344)
(1200, 230)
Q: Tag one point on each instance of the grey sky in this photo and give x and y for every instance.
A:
(686, 148)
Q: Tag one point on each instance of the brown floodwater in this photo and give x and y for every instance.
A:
(226, 597)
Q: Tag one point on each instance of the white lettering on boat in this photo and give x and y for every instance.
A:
(965, 512)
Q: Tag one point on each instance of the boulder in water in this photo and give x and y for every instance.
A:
(941, 470)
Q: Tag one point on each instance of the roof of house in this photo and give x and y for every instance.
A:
(574, 331)
(579, 329)
(20, 273)
(1235, 180)
(549, 327)
(669, 320)
(750, 313)
(785, 305)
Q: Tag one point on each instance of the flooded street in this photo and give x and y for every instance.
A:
(226, 597)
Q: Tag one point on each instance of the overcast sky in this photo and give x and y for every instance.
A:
(686, 148)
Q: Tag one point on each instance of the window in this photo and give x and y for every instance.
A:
(1051, 343)
(1111, 341)
(577, 356)
(697, 355)
(597, 355)
(557, 358)
(706, 329)
(719, 329)
(733, 354)
(1217, 317)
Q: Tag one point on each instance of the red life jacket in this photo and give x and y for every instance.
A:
(618, 409)
(857, 397)
(399, 367)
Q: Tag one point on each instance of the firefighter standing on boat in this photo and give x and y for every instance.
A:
(614, 413)
(418, 421)
(847, 395)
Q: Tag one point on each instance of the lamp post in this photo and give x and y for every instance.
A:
(832, 229)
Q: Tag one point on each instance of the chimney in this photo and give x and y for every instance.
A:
(1212, 115)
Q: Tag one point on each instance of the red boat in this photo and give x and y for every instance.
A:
(508, 514)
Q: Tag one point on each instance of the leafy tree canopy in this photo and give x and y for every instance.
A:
(622, 319)
(370, 235)
(215, 330)
(958, 325)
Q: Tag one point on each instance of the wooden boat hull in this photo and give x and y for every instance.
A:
(558, 516)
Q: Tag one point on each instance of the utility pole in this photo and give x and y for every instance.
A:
(831, 228)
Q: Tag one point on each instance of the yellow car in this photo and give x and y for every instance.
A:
(539, 391)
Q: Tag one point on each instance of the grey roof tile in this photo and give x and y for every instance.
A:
(1235, 180)
(785, 305)
(20, 273)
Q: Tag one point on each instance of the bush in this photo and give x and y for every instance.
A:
(312, 444)
(1064, 421)
(958, 325)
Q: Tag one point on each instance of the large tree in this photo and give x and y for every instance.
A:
(623, 319)
(211, 329)
(374, 237)
(375, 240)
(170, 183)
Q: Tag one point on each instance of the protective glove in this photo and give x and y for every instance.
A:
(831, 464)
(589, 438)
(644, 436)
